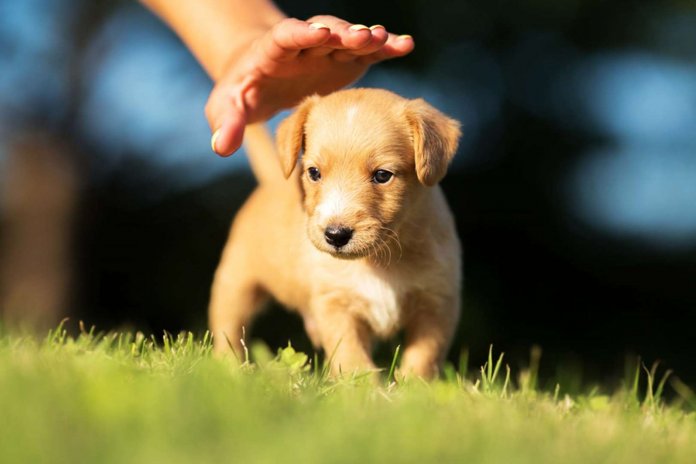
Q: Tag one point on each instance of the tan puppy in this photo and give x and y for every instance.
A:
(356, 236)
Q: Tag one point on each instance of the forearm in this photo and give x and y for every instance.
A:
(214, 30)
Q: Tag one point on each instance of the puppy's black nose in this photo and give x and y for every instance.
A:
(338, 236)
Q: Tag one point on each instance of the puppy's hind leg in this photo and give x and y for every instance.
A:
(236, 297)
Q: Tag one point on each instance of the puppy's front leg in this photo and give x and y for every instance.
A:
(346, 340)
(429, 333)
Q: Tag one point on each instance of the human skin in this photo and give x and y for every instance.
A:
(262, 61)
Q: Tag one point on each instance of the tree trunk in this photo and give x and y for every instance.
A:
(37, 202)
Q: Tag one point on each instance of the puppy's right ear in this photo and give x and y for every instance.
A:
(291, 134)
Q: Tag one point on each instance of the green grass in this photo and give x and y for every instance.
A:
(128, 398)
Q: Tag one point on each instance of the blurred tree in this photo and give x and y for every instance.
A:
(39, 92)
(38, 204)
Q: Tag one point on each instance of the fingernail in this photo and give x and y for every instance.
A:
(358, 27)
(318, 26)
(213, 139)
(404, 37)
(376, 26)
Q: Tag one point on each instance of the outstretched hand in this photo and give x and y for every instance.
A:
(293, 59)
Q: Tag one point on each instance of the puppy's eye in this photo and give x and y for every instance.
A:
(313, 174)
(381, 176)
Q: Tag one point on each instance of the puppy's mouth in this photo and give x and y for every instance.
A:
(345, 253)
(355, 249)
(372, 240)
(341, 242)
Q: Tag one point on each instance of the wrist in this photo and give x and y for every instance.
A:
(243, 38)
(216, 30)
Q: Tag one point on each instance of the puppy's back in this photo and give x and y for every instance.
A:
(260, 148)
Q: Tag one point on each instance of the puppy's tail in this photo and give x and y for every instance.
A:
(261, 151)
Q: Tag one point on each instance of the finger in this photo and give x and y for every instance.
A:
(226, 111)
(290, 36)
(396, 46)
(379, 38)
(228, 137)
(225, 114)
(344, 35)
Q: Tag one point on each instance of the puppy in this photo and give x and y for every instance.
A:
(356, 235)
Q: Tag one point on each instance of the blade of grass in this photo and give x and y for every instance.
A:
(392, 368)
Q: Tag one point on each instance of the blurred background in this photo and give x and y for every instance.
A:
(574, 188)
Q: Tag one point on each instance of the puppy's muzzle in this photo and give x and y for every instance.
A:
(338, 236)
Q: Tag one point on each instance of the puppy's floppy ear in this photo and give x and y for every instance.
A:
(435, 140)
(291, 134)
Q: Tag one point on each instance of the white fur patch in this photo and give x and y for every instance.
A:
(333, 204)
(383, 300)
(351, 114)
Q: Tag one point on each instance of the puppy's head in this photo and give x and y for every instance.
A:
(368, 155)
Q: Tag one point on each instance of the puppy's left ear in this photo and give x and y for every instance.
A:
(435, 140)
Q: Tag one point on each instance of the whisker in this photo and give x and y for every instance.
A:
(379, 255)
(374, 253)
(387, 258)
(387, 252)
(386, 245)
(393, 236)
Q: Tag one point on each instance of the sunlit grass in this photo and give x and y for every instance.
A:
(122, 397)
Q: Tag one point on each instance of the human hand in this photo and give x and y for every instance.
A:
(293, 59)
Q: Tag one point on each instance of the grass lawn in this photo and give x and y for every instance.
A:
(128, 398)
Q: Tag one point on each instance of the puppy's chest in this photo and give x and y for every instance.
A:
(383, 297)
